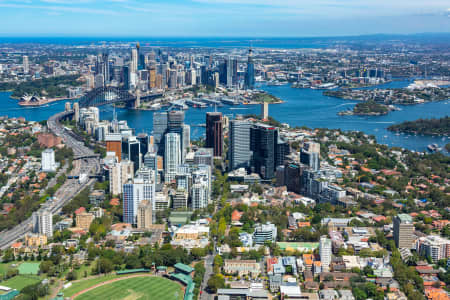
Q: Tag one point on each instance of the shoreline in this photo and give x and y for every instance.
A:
(40, 103)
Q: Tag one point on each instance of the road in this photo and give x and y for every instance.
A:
(68, 190)
(209, 260)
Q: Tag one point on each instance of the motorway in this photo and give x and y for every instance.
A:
(89, 165)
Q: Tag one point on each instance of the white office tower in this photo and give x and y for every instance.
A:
(162, 201)
(325, 253)
(203, 172)
(172, 156)
(26, 66)
(200, 194)
(133, 193)
(43, 222)
(146, 173)
(229, 64)
(151, 160)
(133, 80)
(48, 160)
(186, 140)
(183, 177)
(119, 174)
(134, 60)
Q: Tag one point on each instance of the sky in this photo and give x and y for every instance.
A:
(221, 18)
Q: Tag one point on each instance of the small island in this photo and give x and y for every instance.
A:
(424, 126)
(367, 108)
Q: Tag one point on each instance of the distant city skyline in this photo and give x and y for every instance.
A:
(221, 18)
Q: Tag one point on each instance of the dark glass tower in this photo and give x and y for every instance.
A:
(263, 144)
(159, 129)
(144, 142)
(250, 75)
(214, 135)
(175, 122)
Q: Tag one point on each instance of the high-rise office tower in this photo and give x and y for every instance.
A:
(105, 68)
(239, 154)
(76, 112)
(265, 110)
(131, 150)
(180, 199)
(119, 174)
(151, 160)
(186, 139)
(172, 157)
(144, 215)
(114, 144)
(250, 74)
(175, 124)
(159, 129)
(144, 143)
(126, 77)
(43, 222)
(229, 68)
(310, 155)
(146, 173)
(200, 195)
(152, 77)
(25, 63)
(403, 231)
(204, 156)
(134, 60)
(325, 253)
(214, 135)
(134, 192)
(172, 80)
(141, 58)
(202, 173)
(293, 177)
(263, 142)
(282, 151)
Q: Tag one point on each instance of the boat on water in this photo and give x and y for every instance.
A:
(433, 148)
(276, 83)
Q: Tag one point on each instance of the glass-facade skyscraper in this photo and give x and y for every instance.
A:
(239, 153)
(214, 135)
(172, 156)
(250, 75)
(263, 144)
(159, 129)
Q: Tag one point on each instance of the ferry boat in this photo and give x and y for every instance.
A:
(433, 148)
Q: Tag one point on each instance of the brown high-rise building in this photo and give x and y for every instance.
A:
(152, 77)
(214, 134)
(114, 144)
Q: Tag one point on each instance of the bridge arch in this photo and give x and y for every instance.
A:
(106, 95)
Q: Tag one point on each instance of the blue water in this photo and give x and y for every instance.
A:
(235, 42)
(301, 107)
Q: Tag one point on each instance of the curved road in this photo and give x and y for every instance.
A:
(68, 190)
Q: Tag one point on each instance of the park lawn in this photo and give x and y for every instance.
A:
(85, 283)
(141, 288)
(20, 281)
(83, 267)
(4, 268)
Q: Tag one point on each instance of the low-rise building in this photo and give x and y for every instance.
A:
(242, 267)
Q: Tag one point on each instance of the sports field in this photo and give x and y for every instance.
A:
(20, 281)
(136, 288)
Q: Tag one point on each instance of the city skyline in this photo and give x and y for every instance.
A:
(225, 18)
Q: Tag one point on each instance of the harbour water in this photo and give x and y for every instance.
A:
(301, 107)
